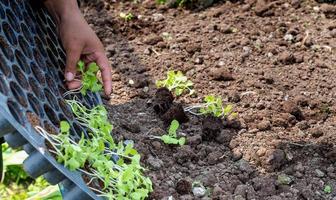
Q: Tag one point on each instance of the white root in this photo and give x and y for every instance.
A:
(74, 91)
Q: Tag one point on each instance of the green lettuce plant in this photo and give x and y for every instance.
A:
(176, 82)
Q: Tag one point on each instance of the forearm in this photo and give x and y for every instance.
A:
(62, 9)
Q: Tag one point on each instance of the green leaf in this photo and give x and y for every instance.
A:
(65, 127)
(182, 141)
(72, 164)
(176, 82)
(80, 66)
(173, 128)
(327, 189)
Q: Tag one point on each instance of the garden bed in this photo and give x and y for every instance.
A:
(273, 60)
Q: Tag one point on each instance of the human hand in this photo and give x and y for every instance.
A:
(79, 42)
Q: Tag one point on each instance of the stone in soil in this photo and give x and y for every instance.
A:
(275, 159)
(162, 101)
(194, 140)
(211, 127)
(221, 74)
(176, 112)
(291, 108)
(264, 125)
(263, 8)
(155, 163)
(183, 186)
(153, 39)
(199, 191)
(287, 58)
(225, 136)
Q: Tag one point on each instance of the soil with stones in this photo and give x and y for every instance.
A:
(273, 60)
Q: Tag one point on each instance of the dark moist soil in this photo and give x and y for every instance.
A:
(273, 60)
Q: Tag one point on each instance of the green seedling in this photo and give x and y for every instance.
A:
(89, 77)
(126, 16)
(176, 82)
(123, 178)
(327, 189)
(161, 1)
(213, 106)
(171, 137)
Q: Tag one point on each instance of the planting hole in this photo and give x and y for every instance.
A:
(38, 74)
(26, 33)
(20, 77)
(79, 130)
(33, 119)
(16, 9)
(51, 45)
(12, 20)
(25, 47)
(40, 47)
(35, 105)
(49, 128)
(51, 99)
(22, 61)
(51, 84)
(4, 67)
(6, 48)
(52, 58)
(2, 12)
(61, 89)
(51, 115)
(15, 111)
(34, 85)
(3, 86)
(65, 108)
(9, 33)
(18, 94)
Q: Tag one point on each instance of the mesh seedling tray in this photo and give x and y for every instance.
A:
(31, 84)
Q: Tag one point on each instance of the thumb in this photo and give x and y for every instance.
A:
(73, 56)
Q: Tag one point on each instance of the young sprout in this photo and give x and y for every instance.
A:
(213, 105)
(126, 16)
(171, 137)
(176, 82)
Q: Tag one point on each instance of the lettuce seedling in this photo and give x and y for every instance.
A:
(327, 189)
(176, 82)
(126, 17)
(171, 137)
(89, 77)
(213, 106)
(94, 157)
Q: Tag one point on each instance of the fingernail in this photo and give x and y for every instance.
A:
(69, 76)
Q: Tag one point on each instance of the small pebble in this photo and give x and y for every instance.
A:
(198, 191)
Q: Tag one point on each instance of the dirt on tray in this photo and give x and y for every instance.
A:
(274, 61)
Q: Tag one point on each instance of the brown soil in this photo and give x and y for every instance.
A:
(33, 119)
(273, 60)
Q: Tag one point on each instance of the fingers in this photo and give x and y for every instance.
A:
(105, 69)
(75, 84)
(73, 56)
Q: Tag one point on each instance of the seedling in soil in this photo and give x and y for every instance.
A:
(89, 77)
(120, 179)
(213, 106)
(327, 189)
(126, 16)
(171, 137)
(176, 82)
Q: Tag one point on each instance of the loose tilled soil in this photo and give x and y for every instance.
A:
(273, 60)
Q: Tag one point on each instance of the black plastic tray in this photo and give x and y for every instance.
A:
(31, 81)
